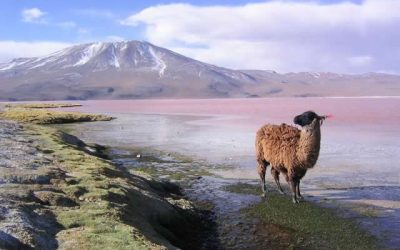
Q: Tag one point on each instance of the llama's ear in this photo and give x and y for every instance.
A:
(298, 120)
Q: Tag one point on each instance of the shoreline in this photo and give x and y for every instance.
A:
(59, 192)
(66, 192)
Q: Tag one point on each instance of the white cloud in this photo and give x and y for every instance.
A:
(281, 35)
(33, 15)
(14, 49)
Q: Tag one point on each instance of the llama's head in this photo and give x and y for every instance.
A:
(307, 118)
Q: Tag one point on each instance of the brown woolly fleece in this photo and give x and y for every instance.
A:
(289, 150)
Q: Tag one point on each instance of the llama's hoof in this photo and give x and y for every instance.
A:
(263, 195)
(281, 192)
(294, 200)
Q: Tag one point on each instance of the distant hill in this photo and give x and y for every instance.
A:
(133, 69)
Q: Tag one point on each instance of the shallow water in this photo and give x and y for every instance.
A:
(359, 155)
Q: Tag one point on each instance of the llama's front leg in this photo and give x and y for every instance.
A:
(298, 191)
(261, 169)
(275, 174)
(293, 185)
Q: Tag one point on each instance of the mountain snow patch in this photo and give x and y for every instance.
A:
(9, 66)
(160, 64)
(114, 61)
(89, 53)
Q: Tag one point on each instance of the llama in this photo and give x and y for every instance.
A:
(289, 150)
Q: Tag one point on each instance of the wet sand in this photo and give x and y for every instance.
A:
(358, 165)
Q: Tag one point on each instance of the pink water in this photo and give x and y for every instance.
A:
(347, 111)
(363, 134)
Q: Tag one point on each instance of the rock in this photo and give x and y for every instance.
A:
(24, 223)
(54, 199)
(181, 203)
(8, 241)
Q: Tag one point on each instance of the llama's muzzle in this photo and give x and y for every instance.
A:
(323, 117)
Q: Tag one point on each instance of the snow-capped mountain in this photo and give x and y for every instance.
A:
(116, 70)
(134, 69)
(119, 56)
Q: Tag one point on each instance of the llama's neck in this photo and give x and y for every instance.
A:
(309, 144)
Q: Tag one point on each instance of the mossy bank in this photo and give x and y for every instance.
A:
(78, 199)
(45, 116)
(305, 225)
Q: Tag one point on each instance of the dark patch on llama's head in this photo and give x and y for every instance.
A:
(306, 118)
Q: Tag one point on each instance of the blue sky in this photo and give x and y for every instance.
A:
(84, 21)
(318, 35)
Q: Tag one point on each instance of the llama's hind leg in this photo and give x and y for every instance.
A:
(298, 191)
(261, 169)
(275, 174)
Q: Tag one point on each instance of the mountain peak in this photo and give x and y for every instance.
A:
(98, 56)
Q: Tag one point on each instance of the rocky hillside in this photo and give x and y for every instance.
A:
(133, 69)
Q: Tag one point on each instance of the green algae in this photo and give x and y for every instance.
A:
(311, 226)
